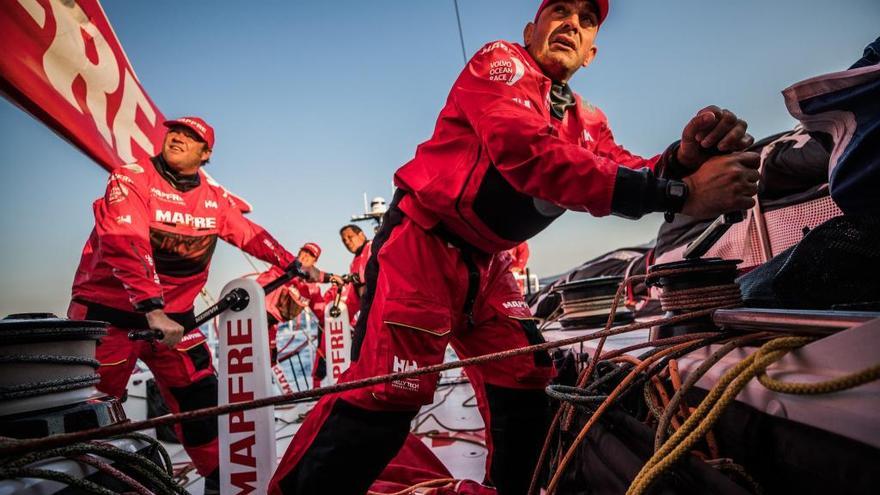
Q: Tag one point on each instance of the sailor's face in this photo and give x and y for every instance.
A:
(183, 150)
(353, 240)
(306, 259)
(561, 41)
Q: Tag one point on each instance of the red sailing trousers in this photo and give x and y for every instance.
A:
(422, 294)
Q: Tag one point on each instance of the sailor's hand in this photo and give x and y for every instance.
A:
(171, 330)
(337, 280)
(723, 184)
(711, 131)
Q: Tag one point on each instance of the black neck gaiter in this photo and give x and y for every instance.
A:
(180, 182)
(561, 98)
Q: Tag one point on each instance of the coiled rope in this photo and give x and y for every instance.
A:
(31, 389)
(130, 468)
(701, 297)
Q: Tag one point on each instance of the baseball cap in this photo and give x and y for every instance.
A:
(312, 248)
(601, 5)
(199, 126)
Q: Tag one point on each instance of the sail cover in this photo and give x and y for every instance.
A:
(63, 64)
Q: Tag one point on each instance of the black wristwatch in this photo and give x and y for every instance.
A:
(676, 195)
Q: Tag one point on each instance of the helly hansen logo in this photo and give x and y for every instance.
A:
(209, 203)
(514, 304)
(406, 384)
(525, 103)
(401, 365)
(179, 218)
(121, 219)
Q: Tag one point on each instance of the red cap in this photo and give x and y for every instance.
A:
(312, 248)
(199, 126)
(601, 5)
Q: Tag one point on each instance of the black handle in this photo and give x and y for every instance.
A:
(348, 278)
(237, 299)
(712, 234)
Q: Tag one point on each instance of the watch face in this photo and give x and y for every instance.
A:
(676, 189)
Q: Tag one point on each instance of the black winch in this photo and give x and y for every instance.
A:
(692, 285)
(587, 303)
(48, 374)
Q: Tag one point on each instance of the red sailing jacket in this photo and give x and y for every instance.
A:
(152, 243)
(499, 168)
(358, 267)
(309, 293)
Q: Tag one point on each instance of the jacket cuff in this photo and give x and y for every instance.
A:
(668, 166)
(637, 192)
(150, 304)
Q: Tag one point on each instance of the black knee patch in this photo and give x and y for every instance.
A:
(519, 419)
(200, 357)
(198, 395)
(349, 452)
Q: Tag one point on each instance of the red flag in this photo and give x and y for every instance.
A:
(63, 64)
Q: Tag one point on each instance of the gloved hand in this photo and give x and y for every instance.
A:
(290, 303)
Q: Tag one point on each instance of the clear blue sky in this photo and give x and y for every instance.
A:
(315, 103)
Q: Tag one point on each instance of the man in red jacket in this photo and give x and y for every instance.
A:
(144, 263)
(287, 302)
(357, 244)
(513, 149)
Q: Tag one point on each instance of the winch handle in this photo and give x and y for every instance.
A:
(702, 244)
(237, 299)
(346, 279)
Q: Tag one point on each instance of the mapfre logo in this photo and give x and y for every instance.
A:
(209, 203)
(493, 46)
(194, 124)
(166, 196)
(120, 178)
(179, 218)
(514, 304)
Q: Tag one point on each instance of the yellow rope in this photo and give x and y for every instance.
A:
(833, 385)
(708, 412)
